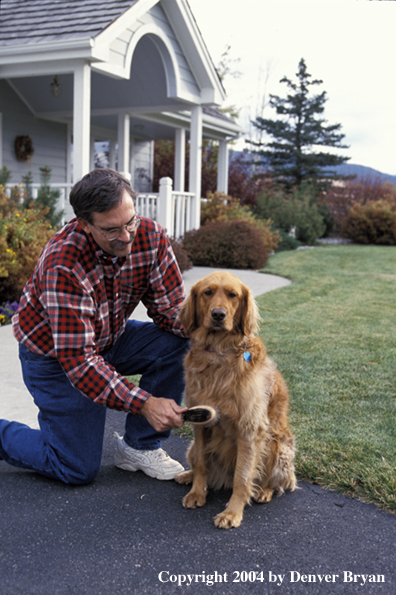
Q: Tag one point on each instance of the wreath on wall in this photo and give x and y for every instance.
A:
(23, 148)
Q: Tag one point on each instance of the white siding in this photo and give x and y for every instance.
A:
(160, 19)
(157, 17)
(49, 139)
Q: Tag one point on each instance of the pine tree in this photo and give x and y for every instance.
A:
(47, 197)
(293, 155)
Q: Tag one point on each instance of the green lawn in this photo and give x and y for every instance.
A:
(332, 333)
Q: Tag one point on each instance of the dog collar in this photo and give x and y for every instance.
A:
(246, 354)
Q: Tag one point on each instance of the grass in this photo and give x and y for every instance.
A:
(333, 335)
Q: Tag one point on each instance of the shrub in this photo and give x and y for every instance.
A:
(227, 244)
(47, 198)
(23, 235)
(372, 223)
(343, 194)
(299, 209)
(243, 184)
(181, 255)
(219, 207)
(287, 242)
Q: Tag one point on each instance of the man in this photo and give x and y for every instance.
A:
(77, 343)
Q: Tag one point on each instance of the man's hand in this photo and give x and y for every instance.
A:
(162, 414)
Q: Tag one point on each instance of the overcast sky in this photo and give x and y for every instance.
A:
(349, 44)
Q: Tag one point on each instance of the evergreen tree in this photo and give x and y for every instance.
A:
(292, 155)
(47, 197)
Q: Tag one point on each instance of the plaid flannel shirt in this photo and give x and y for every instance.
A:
(77, 302)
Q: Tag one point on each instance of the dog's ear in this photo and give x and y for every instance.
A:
(188, 311)
(249, 313)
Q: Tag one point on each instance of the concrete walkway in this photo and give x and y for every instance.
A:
(129, 534)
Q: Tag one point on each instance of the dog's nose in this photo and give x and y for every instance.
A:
(218, 314)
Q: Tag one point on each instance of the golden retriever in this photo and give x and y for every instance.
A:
(250, 449)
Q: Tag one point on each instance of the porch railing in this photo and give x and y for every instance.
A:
(173, 210)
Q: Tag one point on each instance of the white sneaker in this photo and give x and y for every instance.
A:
(155, 463)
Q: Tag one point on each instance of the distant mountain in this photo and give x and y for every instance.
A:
(347, 169)
(361, 171)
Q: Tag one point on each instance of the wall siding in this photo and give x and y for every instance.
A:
(157, 17)
(49, 139)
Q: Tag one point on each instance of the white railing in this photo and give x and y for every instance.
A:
(173, 210)
(146, 205)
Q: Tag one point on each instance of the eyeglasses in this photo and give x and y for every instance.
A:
(114, 234)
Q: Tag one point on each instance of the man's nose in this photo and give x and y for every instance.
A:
(125, 235)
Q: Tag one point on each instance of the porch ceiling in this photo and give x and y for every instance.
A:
(146, 89)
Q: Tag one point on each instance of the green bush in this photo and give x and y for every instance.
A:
(300, 209)
(371, 223)
(47, 198)
(226, 244)
(287, 242)
(23, 235)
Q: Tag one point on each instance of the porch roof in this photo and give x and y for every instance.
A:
(39, 39)
(28, 21)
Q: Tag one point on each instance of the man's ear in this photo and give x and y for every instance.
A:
(84, 224)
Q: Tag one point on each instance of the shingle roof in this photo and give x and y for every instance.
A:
(32, 21)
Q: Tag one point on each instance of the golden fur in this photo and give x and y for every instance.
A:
(250, 449)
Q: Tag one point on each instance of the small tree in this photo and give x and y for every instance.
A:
(48, 198)
(243, 183)
(292, 154)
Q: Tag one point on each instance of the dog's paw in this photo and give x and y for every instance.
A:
(194, 499)
(185, 478)
(263, 495)
(227, 520)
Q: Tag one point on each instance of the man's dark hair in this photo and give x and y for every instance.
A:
(99, 191)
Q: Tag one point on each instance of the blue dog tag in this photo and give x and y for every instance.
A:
(246, 356)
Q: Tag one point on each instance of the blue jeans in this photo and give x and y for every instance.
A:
(68, 446)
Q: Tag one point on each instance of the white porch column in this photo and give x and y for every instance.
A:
(180, 159)
(131, 168)
(196, 164)
(81, 121)
(222, 167)
(123, 145)
(69, 144)
(112, 154)
(92, 154)
(164, 206)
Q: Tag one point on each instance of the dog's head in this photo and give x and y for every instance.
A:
(220, 302)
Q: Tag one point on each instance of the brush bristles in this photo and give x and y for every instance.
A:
(201, 415)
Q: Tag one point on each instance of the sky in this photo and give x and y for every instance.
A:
(348, 44)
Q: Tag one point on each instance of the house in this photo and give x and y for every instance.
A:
(128, 72)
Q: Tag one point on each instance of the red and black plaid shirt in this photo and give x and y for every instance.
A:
(77, 302)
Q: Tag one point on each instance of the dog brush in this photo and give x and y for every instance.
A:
(202, 415)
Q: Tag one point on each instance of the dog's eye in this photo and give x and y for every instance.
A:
(208, 292)
(232, 294)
